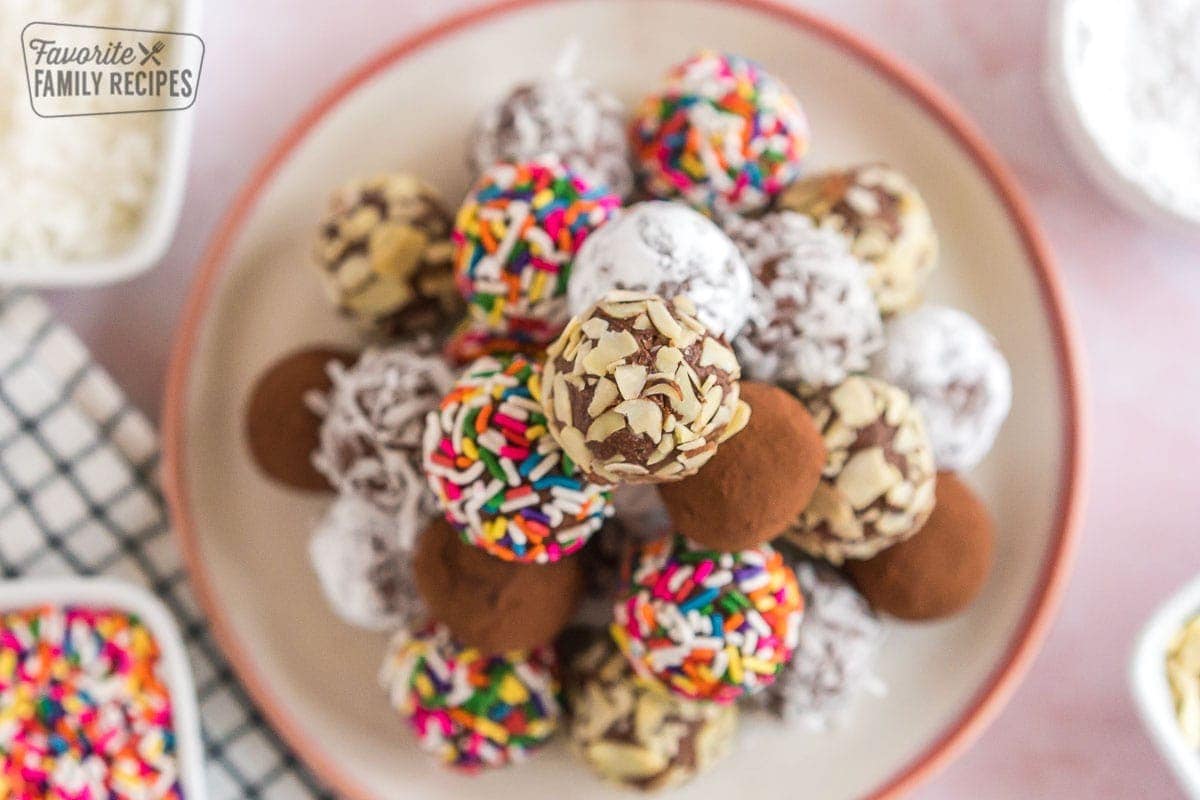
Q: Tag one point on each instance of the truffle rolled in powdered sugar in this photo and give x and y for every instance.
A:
(956, 375)
(840, 639)
(364, 569)
(666, 249)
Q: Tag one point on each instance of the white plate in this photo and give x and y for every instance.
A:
(175, 670)
(410, 108)
(1152, 692)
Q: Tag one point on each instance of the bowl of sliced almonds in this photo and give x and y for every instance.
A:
(1164, 677)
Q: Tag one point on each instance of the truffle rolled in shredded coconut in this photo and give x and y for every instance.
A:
(840, 639)
(813, 318)
(582, 125)
(364, 571)
(956, 376)
(374, 419)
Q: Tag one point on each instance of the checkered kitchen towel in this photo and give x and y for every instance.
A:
(79, 494)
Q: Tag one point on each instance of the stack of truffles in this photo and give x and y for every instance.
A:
(666, 318)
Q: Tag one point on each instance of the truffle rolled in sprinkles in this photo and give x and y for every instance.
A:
(709, 625)
(503, 482)
(514, 239)
(723, 135)
(470, 710)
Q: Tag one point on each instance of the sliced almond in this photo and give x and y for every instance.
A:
(603, 396)
(741, 417)
(572, 441)
(605, 426)
(667, 359)
(668, 389)
(610, 349)
(631, 379)
(562, 400)
(644, 416)
(623, 310)
(595, 327)
(663, 321)
(627, 469)
(715, 354)
(866, 477)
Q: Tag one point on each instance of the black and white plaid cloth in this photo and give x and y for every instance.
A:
(79, 494)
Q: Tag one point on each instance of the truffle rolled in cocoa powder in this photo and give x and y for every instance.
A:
(942, 568)
(758, 482)
(489, 603)
(281, 431)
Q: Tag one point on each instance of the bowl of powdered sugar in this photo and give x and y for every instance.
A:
(1124, 76)
(95, 198)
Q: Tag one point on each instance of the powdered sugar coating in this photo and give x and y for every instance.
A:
(571, 118)
(957, 377)
(374, 418)
(813, 318)
(840, 638)
(365, 572)
(668, 249)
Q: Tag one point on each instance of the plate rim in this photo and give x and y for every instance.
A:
(1040, 610)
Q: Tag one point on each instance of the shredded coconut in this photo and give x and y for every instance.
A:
(373, 420)
(1133, 70)
(73, 187)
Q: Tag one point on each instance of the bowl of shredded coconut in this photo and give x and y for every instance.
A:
(1124, 78)
(87, 199)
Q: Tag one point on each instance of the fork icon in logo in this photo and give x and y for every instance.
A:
(149, 54)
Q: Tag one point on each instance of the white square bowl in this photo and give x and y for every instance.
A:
(173, 660)
(1152, 692)
(162, 211)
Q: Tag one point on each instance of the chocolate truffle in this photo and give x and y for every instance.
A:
(514, 240)
(813, 318)
(385, 255)
(882, 216)
(581, 124)
(636, 389)
(877, 486)
(759, 481)
(492, 604)
(956, 376)
(373, 420)
(940, 570)
(500, 477)
(666, 249)
(637, 734)
(470, 709)
(281, 430)
(609, 555)
(723, 135)
(840, 639)
(709, 625)
(364, 571)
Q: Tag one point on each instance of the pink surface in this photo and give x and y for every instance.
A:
(1070, 730)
